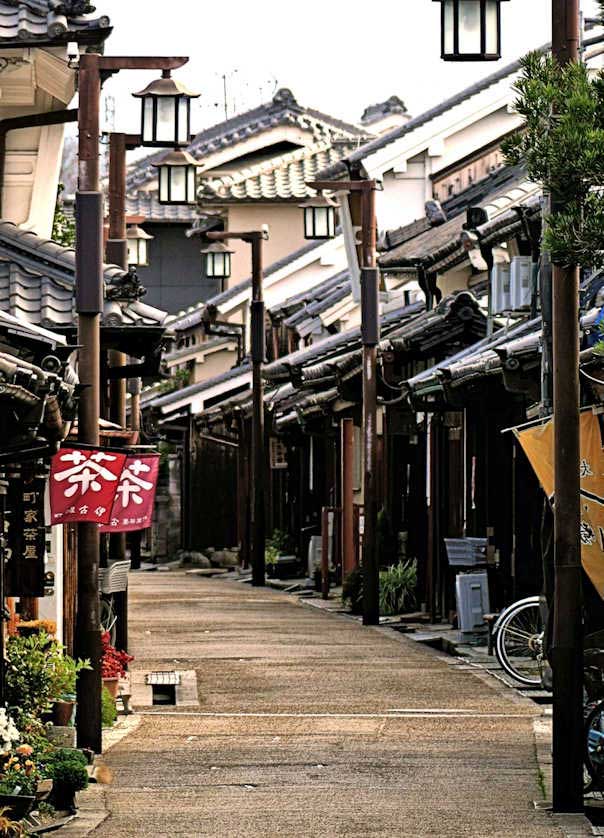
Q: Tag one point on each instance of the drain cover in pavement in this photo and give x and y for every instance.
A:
(163, 679)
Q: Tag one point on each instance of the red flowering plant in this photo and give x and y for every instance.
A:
(113, 662)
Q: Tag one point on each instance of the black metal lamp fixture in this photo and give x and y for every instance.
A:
(177, 178)
(470, 30)
(138, 252)
(166, 112)
(319, 218)
(218, 260)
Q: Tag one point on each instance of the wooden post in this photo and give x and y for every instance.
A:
(348, 552)
(567, 647)
(325, 553)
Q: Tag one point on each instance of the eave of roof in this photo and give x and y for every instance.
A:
(194, 316)
(40, 23)
(37, 284)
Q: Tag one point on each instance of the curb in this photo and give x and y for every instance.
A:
(572, 825)
(92, 803)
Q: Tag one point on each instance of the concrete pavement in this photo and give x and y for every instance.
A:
(310, 725)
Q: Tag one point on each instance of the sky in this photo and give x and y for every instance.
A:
(336, 57)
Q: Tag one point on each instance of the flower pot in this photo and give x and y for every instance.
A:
(62, 713)
(112, 685)
(18, 805)
(62, 797)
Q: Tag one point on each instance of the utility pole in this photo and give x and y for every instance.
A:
(93, 69)
(255, 238)
(567, 646)
(362, 211)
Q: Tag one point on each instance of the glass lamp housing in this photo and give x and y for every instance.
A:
(319, 219)
(138, 251)
(217, 260)
(470, 30)
(166, 113)
(177, 178)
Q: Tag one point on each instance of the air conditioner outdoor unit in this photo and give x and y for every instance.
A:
(501, 299)
(472, 594)
(521, 270)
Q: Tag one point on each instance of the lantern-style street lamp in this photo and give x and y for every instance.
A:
(138, 253)
(217, 260)
(177, 180)
(470, 30)
(319, 218)
(166, 112)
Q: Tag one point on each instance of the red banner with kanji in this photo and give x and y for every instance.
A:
(135, 496)
(83, 484)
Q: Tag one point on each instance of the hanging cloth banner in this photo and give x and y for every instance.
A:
(133, 505)
(538, 445)
(83, 484)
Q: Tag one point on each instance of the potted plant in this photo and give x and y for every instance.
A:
(113, 665)
(19, 777)
(29, 672)
(63, 688)
(69, 775)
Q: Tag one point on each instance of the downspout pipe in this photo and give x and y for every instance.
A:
(36, 120)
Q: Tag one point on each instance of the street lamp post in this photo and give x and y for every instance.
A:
(362, 201)
(566, 652)
(93, 69)
(255, 238)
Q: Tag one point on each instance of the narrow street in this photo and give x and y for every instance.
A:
(310, 725)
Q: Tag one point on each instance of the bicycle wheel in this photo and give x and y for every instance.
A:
(593, 758)
(519, 643)
(108, 619)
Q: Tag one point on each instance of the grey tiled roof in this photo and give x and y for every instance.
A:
(195, 389)
(27, 21)
(339, 344)
(147, 205)
(364, 151)
(290, 308)
(37, 284)
(280, 179)
(437, 243)
(282, 110)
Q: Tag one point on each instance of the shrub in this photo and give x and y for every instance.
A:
(68, 768)
(397, 588)
(65, 676)
(275, 546)
(108, 708)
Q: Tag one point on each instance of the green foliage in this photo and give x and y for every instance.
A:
(277, 545)
(68, 767)
(562, 147)
(65, 676)
(37, 674)
(352, 591)
(108, 709)
(180, 378)
(63, 227)
(397, 588)
(29, 674)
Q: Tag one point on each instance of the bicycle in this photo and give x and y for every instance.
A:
(518, 635)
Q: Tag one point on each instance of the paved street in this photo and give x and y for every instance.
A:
(310, 725)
